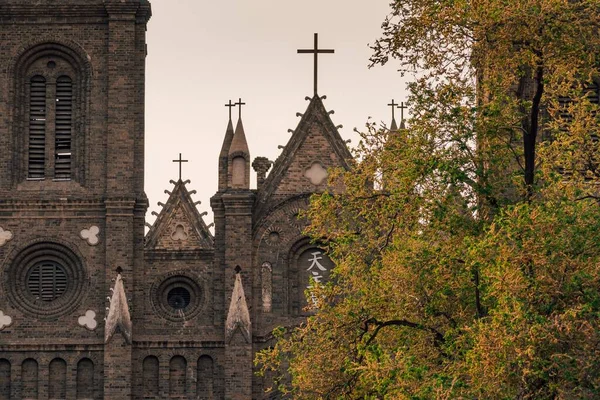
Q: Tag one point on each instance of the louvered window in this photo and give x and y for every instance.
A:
(63, 128)
(37, 127)
(47, 281)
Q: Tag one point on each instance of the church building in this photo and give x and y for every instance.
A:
(92, 306)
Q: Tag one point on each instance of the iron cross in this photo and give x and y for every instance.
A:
(180, 161)
(239, 103)
(394, 106)
(316, 51)
(230, 105)
(402, 107)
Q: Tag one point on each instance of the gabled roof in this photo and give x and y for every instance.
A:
(179, 225)
(315, 121)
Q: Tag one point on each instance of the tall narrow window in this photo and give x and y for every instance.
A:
(85, 379)
(205, 378)
(63, 128)
(29, 379)
(37, 127)
(177, 381)
(4, 379)
(150, 375)
(238, 175)
(57, 379)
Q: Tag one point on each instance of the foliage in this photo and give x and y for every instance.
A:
(467, 245)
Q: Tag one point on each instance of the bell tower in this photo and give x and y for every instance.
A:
(72, 203)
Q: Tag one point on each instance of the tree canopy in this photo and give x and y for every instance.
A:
(468, 244)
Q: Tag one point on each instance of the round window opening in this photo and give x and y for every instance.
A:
(179, 298)
(47, 281)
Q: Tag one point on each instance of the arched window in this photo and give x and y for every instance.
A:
(29, 379)
(238, 174)
(266, 274)
(85, 379)
(4, 379)
(57, 379)
(309, 265)
(205, 378)
(50, 121)
(52, 83)
(177, 377)
(150, 375)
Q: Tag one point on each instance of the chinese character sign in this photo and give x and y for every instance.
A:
(315, 264)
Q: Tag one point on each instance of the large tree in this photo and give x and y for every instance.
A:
(468, 244)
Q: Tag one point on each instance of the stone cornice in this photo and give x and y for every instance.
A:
(20, 10)
(169, 255)
(17, 10)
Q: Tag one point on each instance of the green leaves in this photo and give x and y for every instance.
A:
(467, 245)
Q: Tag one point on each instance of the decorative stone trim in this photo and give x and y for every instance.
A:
(118, 318)
(91, 235)
(316, 173)
(5, 236)
(88, 320)
(5, 320)
(238, 316)
(273, 236)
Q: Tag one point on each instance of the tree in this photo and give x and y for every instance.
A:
(467, 245)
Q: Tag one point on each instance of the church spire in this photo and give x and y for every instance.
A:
(224, 154)
(239, 157)
(393, 125)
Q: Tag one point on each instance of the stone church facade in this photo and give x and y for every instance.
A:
(91, 306)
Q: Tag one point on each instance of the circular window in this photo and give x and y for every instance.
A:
(46, 280)
(177, 297)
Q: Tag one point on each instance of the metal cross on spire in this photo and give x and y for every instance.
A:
(394, 105)
(180, 161)
(316, 51)
(230, 105)
(239, 103)
(402, 107)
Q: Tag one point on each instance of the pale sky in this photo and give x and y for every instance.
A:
(203, 53)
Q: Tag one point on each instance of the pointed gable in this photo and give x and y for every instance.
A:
(315, 146)
(179, 226)
(238, 316)
(118, 317)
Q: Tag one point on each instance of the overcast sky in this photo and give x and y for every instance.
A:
(203, 53)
